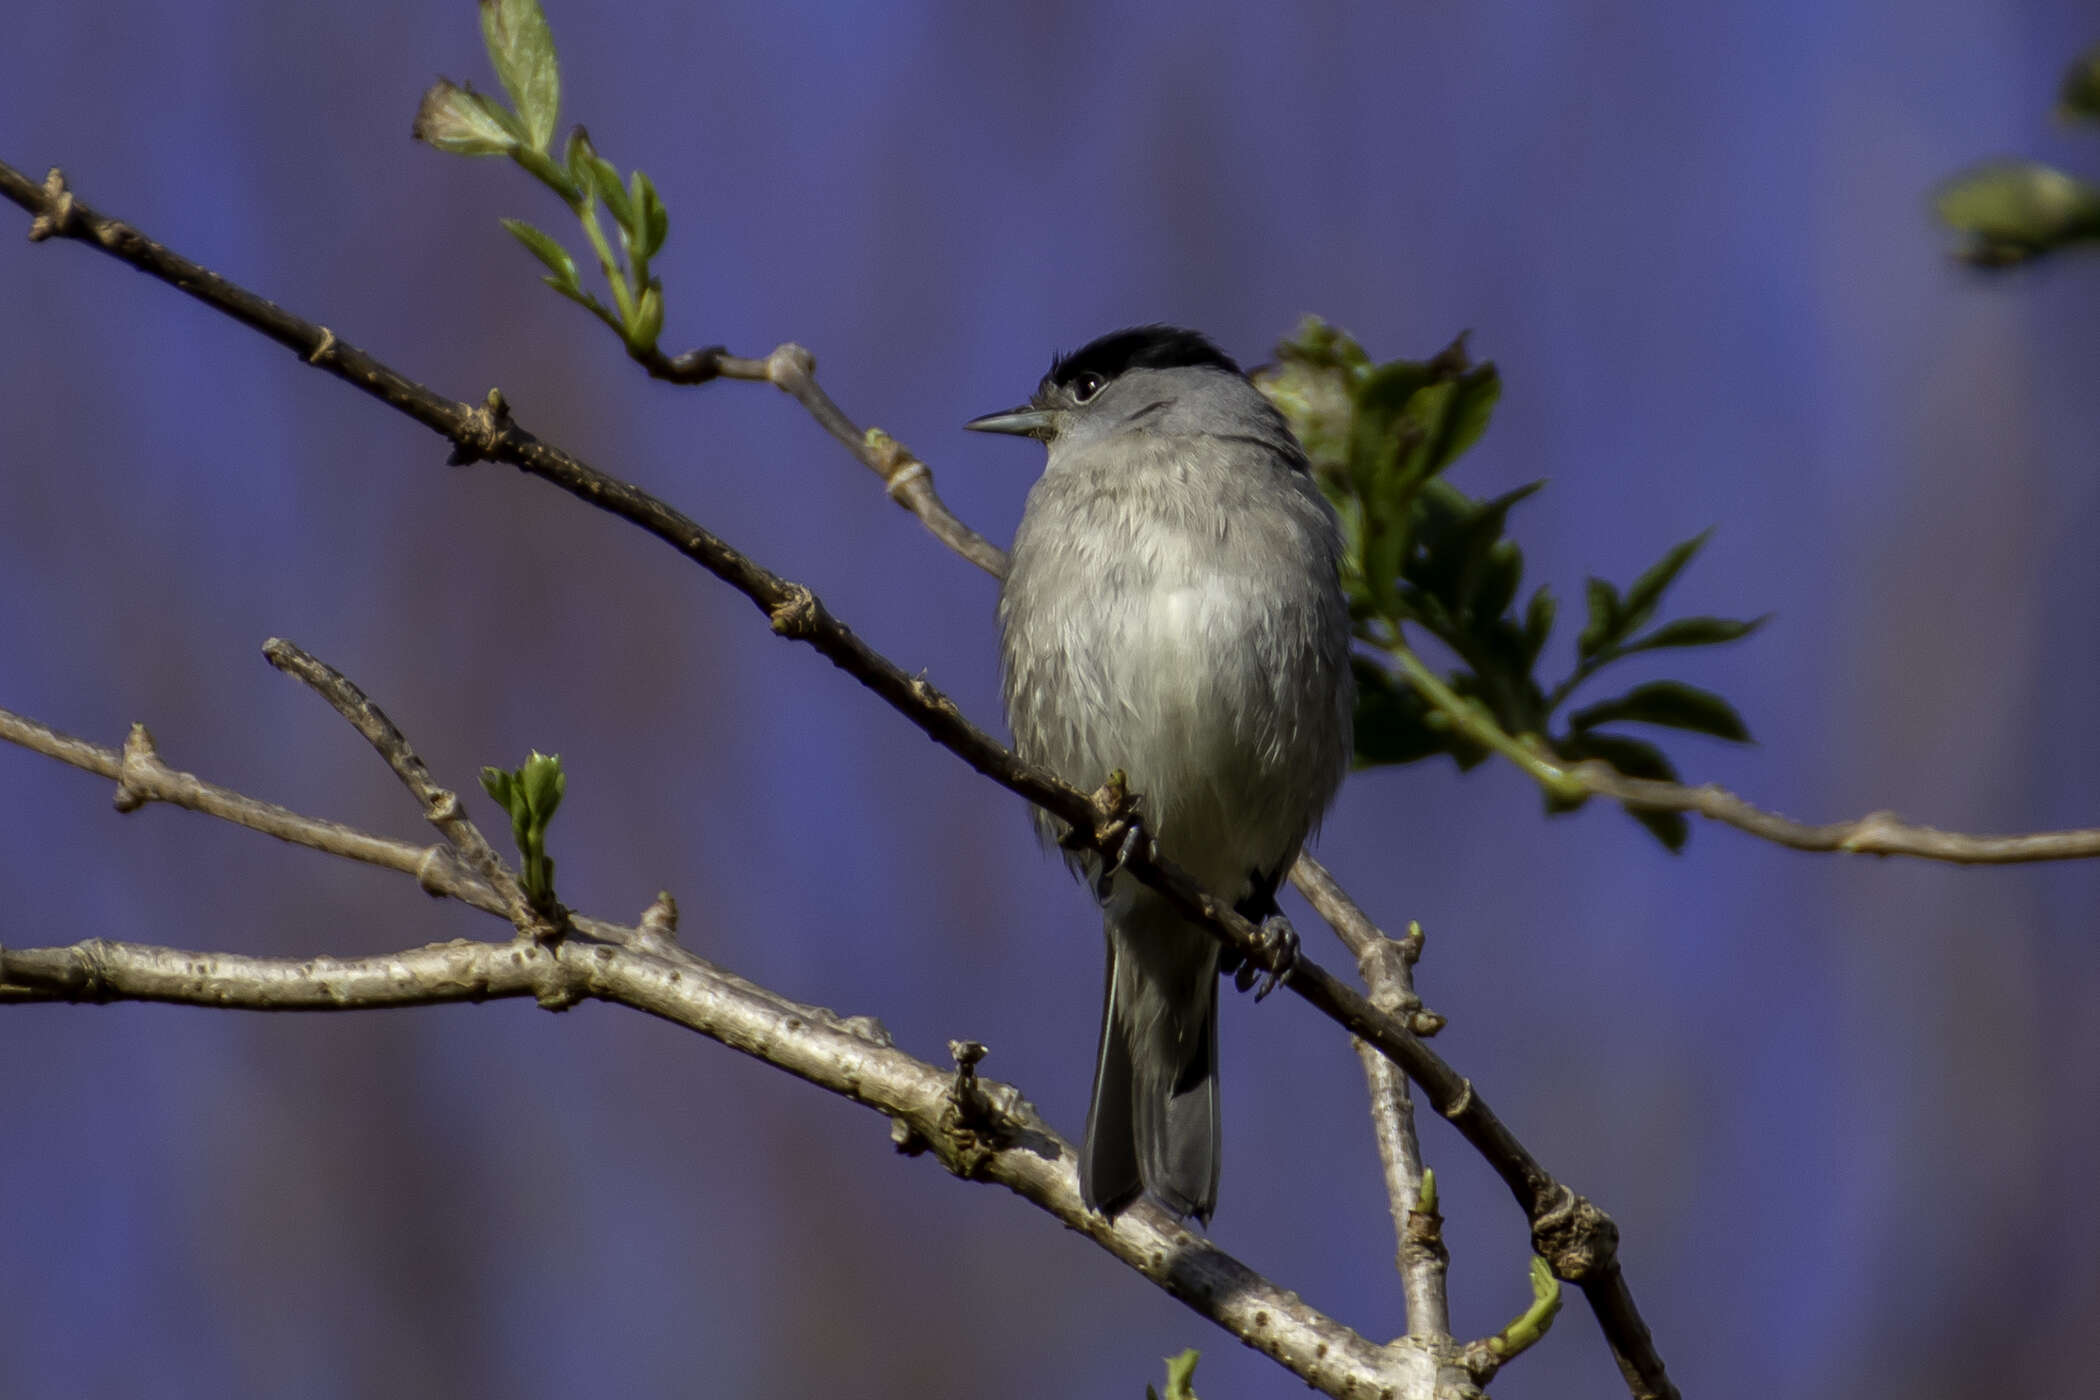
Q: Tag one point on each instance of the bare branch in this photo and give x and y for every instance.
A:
(142, 778)
(441, 806)
(1875, 834)
(1387, 966)
(992, 1135)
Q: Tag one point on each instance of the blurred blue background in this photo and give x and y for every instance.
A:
(1843, 1111)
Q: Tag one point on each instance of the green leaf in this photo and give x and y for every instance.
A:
(521, 49)
(1490, 566)
(1400, 410)
(546, 249)
(464, 122)
(1181, 1376)
(499, 784)
(2016, 210)
(1696, 632)
(543, 784)
(1410, 420)
(1473, 404)
(654, 221)
(2079, 97)
(1462, 558)
(1428, 413)
(1393, 723)
(2014, 200)
(1317, 345)
(1647, 590)
(576, 156)
(1384, 430)
(648, 318)
(1538, 623)
(1670, 703)
(650, 224)
(1384, 549)
(1491, 586)
(1603, 627)
(1313, 384)
(1427, 609)
(605, 179)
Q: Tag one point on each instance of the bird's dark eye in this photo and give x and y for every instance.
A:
(1086, 385)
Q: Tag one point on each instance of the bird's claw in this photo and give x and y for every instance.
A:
(1135, 840)
(1280, 947)
(1118, 833)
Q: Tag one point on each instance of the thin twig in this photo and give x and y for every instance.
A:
(1387, 966)
(1576, 1238)
(142, 777)
(441, 806)
(905, 478)
(1875, 834)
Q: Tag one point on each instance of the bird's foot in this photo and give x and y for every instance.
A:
(1279, 951)
(1119, 831)
(1136, 841)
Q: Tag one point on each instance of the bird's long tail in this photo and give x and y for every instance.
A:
(1153, 1122)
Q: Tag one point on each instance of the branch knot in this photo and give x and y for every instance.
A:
(798, 612)
(136, 774)
(659, 922)
(555, 986)
(901, 471)
(975, 1123)
(1575, 1238)
(435, 871)
(930, 695)
(56, 220)
(481, 434)
(790, 367)
(91, 957)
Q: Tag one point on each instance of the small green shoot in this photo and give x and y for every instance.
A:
(455, 118)
(1181, 1372)
(530, 794)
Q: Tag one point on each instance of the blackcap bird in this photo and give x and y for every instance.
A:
(1173, 610)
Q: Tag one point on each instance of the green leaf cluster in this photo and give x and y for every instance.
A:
(530, 794)
(2012, 212)
(1423, 553)
(453, 117)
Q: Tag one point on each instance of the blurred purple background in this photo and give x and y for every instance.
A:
(1843, 1111)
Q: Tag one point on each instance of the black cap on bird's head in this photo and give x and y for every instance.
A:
(1075, 378)
(1139, 347)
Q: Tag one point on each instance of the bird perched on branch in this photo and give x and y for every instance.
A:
(1174, 611)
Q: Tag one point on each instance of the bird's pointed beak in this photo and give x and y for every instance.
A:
(1025, 421)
